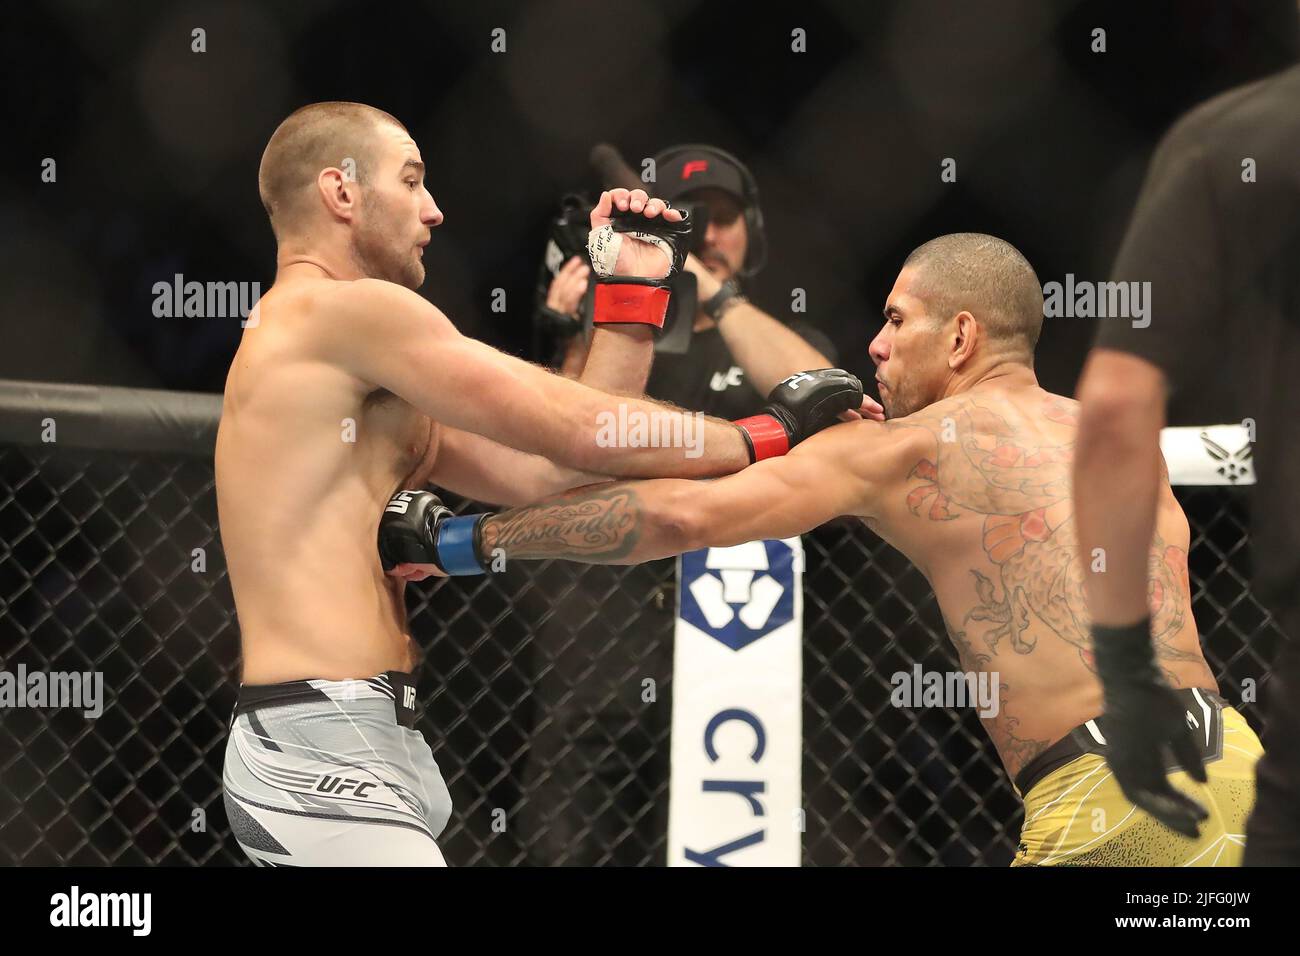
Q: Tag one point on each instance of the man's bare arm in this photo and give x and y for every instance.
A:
(392, 338)
(767, 349)
(620, 355)
(619, 359)
(484, 470)
(841, 471)
(1117, 468)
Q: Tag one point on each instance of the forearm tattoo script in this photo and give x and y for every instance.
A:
(592, 526)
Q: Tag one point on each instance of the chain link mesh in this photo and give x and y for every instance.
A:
(532, 686)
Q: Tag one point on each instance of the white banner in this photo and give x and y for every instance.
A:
(735, 797)
(1208, 455)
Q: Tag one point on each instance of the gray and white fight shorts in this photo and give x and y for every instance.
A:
(333, 773)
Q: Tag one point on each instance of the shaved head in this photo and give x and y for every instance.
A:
(989, 278)
(313, 138)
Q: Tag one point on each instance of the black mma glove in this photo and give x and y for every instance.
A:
(417, 528)
(1144, 720)
(798, 407)
(622, 300)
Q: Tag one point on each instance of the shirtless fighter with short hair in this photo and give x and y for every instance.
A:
(970, 478)
(348, 386)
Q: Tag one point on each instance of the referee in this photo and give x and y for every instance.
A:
(1216, 232)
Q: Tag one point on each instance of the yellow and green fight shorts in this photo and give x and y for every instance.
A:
(1075, 814)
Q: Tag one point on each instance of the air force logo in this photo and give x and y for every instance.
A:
(738, 595)
(1232, 465)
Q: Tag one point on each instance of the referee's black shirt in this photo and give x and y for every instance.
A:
(1223, 259)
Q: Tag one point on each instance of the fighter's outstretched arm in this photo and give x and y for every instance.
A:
(484, 470)
(841, 471)
(389, 337)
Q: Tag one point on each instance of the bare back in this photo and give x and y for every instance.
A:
(985, 512)
(307, 455)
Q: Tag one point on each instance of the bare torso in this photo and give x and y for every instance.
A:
(985, 513)
(307, 455)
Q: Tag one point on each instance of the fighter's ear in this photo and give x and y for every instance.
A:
(965, 334)
(338, 191)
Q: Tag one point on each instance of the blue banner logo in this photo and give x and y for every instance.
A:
(738, 595)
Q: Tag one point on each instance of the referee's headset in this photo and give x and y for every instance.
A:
(756, 251)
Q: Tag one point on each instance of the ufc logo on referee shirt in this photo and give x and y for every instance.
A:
(408, 698)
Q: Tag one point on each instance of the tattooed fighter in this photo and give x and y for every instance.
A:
(969, 477)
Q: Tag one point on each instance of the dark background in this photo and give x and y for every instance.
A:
(157, 147)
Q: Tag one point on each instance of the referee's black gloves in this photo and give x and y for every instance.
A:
(1144, 723)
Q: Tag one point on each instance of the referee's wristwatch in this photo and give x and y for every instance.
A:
(723, 300)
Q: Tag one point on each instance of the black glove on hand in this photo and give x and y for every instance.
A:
(635, 300)
(676, 234)
(417, 528)
(1143, 720)
(799, 407)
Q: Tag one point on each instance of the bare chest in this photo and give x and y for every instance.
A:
(407, 439)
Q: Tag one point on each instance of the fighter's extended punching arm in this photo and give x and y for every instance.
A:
(486, 470)
(389, 337)
(634, 521)
(619, 363)
(841, 471)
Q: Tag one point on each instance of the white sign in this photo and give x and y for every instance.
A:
(735, 797)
